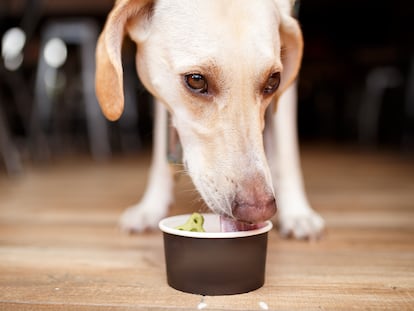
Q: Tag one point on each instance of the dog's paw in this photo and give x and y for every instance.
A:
(301, 223)
(154, 204)
(141, 217)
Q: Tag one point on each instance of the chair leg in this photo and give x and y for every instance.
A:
(8, 150)
(97, 127)
(377, 81)
(83, 33)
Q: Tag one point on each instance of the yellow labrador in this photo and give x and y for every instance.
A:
(220, 68)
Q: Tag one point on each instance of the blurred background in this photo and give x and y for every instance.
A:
(356, 86)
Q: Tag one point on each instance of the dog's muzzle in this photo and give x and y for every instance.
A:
(254, 210)
(248, 215)
(254, 202)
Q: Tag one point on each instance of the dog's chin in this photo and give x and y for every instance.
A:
(231, 225)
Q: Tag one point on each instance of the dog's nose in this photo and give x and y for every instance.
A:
(254, 205)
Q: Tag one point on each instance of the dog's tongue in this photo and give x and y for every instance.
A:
(231, 225)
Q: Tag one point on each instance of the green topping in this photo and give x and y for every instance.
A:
(194, 223)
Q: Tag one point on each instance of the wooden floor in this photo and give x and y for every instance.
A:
(60, 248)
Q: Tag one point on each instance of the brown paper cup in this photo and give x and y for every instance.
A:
(214, 262)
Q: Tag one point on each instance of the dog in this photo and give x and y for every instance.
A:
(221, 69)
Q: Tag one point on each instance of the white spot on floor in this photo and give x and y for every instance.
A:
(263, 305)
(202, 304)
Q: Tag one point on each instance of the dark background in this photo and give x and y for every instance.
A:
(346, 42)
(359, 57)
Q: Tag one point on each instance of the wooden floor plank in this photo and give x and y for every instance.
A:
(61, 249)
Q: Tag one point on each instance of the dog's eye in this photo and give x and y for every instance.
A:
(272, 83)
(196, 82)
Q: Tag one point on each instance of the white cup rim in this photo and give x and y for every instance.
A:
(211, 225)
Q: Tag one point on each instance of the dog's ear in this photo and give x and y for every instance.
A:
(109, 73)
(291, 50)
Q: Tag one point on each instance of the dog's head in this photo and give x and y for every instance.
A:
(217, 66)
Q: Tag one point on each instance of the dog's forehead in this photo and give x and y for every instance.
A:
(234, 12)
(245, 27)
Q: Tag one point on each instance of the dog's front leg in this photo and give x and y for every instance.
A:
(159, 192)
(295, 215)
